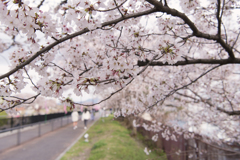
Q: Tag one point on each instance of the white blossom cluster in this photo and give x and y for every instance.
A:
(147, 151)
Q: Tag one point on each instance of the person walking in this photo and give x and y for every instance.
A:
(75, 117)
(85, 117)
(93, 114)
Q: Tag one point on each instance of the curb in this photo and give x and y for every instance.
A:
(60, 156)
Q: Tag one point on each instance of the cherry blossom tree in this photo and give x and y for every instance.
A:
(176, 57)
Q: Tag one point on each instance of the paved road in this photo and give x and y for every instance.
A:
(46, 147)
(11, 139)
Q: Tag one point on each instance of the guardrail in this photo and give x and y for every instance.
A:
(7, 123)
(16, 135)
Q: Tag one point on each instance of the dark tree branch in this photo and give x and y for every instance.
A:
(231, 113)
(165, 3)
(223, 6)
(41, 3)
(85, 71)
(219, 17)
(63, 2)
(68, 82)
(118, 8)
(192, 61)
(55, 38)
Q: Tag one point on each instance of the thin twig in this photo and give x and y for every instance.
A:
(120, 88)
(41, 3)
(24, 68)
(24, 101)
(175, 90)
(118, 8)
(61, 68)
(111, 8)
(119, 36)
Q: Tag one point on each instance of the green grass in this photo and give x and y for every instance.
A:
(3, 113)
(109, 140)
(3, 120)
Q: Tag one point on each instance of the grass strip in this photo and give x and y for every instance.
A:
(109, 140)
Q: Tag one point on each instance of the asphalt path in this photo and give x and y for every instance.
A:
(29, 132)
(46, 147)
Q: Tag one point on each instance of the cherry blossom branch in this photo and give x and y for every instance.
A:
(165, 3)
(113, 93)
(83, 31)
(224, 91)
(175, 90)
(225, 31)
(63, 2)
(125, 49)
(41, 3)
(117, 7)
(68, 82)
(219, 17)
(236, 7)
(201, 98)
(85, 71)
(157, 34)
(54, 64)
(236, 40)
(119, 36)
(185, 95)
(231, 113)
(24, 101)
(192, 61)
(159, 6)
